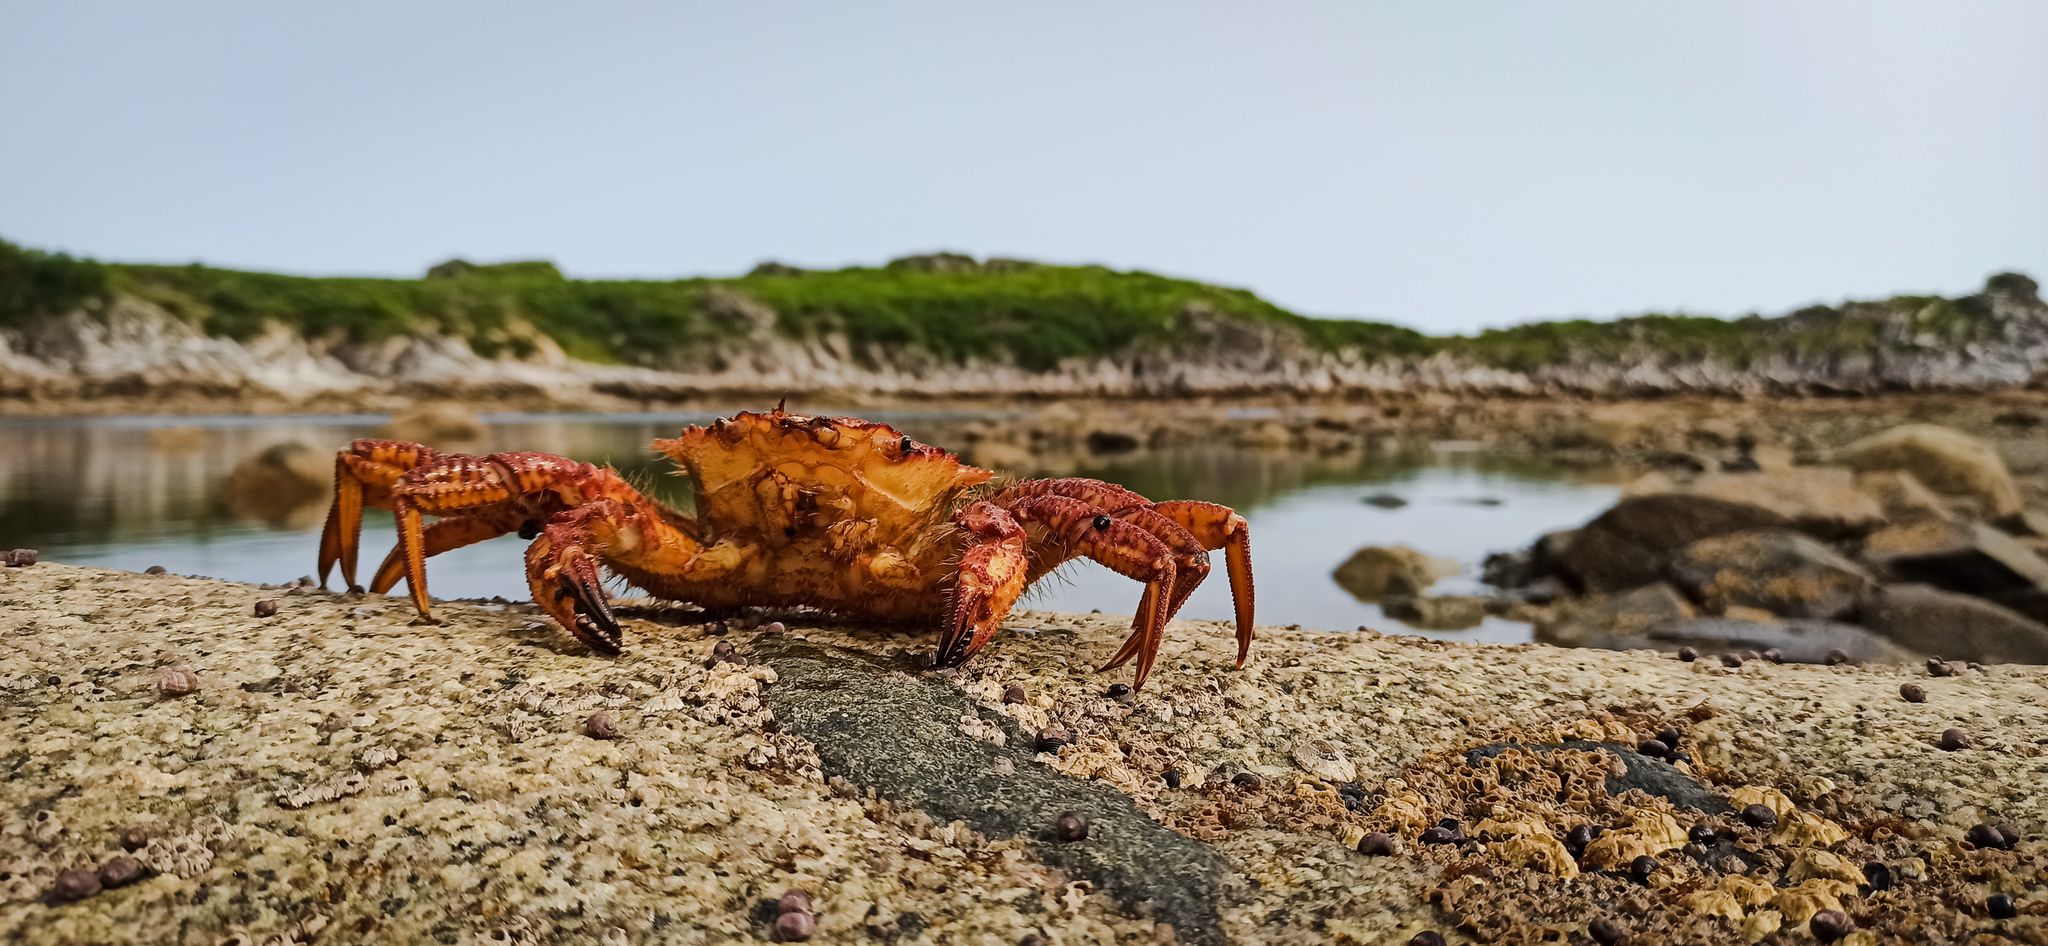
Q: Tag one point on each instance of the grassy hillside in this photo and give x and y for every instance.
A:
(948, 306)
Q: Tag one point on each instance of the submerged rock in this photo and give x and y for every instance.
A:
(1436, 612)
(1374, 572)
(285, 485)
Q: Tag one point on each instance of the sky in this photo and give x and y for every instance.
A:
(1448, 166)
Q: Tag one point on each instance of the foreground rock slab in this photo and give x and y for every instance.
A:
(336, 774)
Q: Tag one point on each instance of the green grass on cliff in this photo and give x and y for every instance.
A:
(947, 307)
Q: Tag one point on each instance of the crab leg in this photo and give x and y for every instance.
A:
(1220, 527)
(1126, 549)
(503, 488)
(1190, 557)
(634, 540)
(445, 536)
(365, 473)
(992, 575)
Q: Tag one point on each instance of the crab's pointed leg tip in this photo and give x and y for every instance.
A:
(601, 634)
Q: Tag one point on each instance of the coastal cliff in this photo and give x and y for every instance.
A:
(927, 327)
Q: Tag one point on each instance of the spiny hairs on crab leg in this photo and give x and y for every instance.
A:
(1220, 527)
(1126, 549)
(992, 573)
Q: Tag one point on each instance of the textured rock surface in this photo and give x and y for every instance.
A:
(341, 775)
(1779, 571)
(1946, 460)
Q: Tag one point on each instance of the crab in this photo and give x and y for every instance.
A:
(841, 515)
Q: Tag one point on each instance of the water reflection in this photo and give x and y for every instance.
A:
(134, 492)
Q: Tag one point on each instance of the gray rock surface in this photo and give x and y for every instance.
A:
(878, 725)
(1954, 626)
(1803, 642)
(1967, 557)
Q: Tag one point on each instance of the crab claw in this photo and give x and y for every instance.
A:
(992, 573)
(567, 585)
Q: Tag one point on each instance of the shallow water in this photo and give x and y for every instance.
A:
(131, 492)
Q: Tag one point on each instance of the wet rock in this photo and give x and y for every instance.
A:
(1596, 621)
(1653, 776)
(1384, 501)
(1374, 572)
(1779, 571)
(1948, 461)
(1436, 612)
(1512, 569)
(1799, 642)
(1630, 545)
(878, 727)
(1967, 557)
(1933, 621)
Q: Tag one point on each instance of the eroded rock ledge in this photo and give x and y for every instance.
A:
(339, 775)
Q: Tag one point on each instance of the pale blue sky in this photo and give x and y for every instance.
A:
(1444, 165)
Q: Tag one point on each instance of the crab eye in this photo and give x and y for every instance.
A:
(906, 445)
(1101, 522)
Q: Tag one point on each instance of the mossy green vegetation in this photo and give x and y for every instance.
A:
(945, 306)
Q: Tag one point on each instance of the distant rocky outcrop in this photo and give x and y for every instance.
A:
(519, 330)
(1919, 546)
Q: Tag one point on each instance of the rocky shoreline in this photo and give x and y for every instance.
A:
(330, 772)
(122, 352)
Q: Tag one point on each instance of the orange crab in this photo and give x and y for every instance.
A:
(842, 515)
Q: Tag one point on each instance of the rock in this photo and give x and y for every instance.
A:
(1771, 457)
(1821, 501)
(1959, 627)
(900, 736)
(1373, 572)
(937, 263)
(1384, 501)
(434, 424)
(285, 485)
(1902, 497)
(1511, 569)
(1594, 620)
(1110, 442)
(1801, 642)
(1967, 557)
(712, 807)
(2031, 523)
(1629, 545)
(1651, 776)
(1779, 571)
(1436, 612)
(1948, 461)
